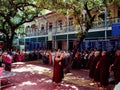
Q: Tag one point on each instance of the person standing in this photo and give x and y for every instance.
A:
(96, 70)
(7, 59)
(22, 53)
(115, 67)
(19, 57)
(90, 66)
(104, 65)
(1, 61)
(58, 74)
(67, 62)
(50, 57)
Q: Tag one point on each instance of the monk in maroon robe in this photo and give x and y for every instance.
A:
(104, 65)
(96, 71)
(90, 65)
(116, 67)
(58, 69)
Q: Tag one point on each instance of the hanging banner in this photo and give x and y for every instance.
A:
(116, 29)
(49, 36)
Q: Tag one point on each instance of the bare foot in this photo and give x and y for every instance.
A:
(55, 84)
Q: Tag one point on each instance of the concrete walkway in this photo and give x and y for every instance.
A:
(34, 75)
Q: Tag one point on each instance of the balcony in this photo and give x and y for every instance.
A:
(63, 29)
(55, 30)
(109, 22)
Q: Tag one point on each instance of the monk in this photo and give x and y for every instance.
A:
(104, 65)
(115, 67)
(96, 70)
(58, 69)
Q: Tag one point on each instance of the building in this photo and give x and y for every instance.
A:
(57, 31)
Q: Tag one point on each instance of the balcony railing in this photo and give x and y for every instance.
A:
(63, 29)
(102, 24)
(55, 30)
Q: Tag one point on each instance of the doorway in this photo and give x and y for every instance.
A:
(59, 44)
(70, 45)
(49, 45)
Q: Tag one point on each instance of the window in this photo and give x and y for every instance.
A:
(27, 28)
(50, 26)
(33, 26)
(71, 21)
(42, 27)
(119, 12)
(60, 24)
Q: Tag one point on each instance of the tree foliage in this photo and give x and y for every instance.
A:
(13, 14)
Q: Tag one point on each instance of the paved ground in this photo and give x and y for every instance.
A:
(36, 76)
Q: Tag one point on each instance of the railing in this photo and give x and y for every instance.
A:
(63, 29)
(55, 30)
(109, 23)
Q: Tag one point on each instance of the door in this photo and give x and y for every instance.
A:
(49, 45)
(59, 44)
(70, 45)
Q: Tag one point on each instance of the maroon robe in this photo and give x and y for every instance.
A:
(104, 70)
(90, 66)
(58, 71)
(116, 69)
(96, 72)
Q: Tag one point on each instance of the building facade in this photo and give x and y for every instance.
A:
(57, 31)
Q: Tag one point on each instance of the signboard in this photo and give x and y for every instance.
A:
(116, 29)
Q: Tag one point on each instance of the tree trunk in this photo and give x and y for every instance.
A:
(88, 25)
(9, 42)
(80, 41)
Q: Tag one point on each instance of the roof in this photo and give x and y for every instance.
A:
(47, 14)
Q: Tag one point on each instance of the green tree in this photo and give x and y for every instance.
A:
(13, 14)
(78, 8)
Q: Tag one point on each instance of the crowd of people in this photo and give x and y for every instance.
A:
(102, 65)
